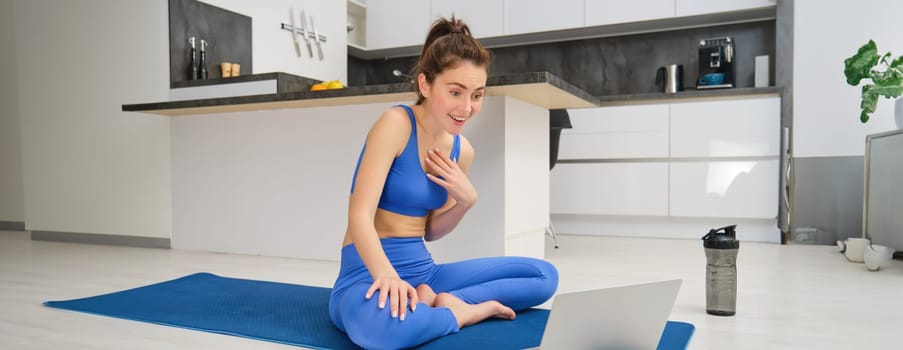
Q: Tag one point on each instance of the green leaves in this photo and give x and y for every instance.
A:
(887, 83)
(869, 102)
(858, 66)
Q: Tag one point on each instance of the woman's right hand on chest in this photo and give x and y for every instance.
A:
(397, 292)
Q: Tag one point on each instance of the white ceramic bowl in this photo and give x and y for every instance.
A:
(877, 256)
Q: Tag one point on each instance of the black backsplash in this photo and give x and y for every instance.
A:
(227, 33)
(607, 66)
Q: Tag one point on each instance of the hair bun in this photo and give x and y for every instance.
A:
(448, 41)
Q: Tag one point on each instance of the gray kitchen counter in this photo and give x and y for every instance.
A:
(539, 88)
(687, 95)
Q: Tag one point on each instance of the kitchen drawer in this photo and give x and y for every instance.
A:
(609, 189)
(733, 189)
(616, 133)
(727, 128)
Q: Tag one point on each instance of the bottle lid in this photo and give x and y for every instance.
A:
(721, 238)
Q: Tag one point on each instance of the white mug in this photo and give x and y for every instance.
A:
(855, 249)
(877, 256)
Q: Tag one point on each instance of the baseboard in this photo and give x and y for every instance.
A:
(12, 226)
(753, 230)
(93, 238)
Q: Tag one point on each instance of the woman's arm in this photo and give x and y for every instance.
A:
(385, 141)
(461, 193)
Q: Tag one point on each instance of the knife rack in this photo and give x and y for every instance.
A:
(304, 33)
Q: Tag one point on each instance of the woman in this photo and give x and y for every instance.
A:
(411, 185)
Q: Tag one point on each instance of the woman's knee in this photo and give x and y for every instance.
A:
(367, 325)
(371, 327)
(548, 278)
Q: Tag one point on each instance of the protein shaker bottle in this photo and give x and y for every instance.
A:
(721, 246)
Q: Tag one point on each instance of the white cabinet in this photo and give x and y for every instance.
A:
(484, 17)
(698, 7)
(392, 24)
(732, 189)
(616, 133)
(604, 12)
(701, 159)
(727, 128)
(397, 23)
(609, 189)
(357, 19)
(530, 16)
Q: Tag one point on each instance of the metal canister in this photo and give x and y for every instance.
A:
(721, 247)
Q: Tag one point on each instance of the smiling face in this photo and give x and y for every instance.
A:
(455, 95)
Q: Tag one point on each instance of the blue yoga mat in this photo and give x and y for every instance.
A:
(296, 315)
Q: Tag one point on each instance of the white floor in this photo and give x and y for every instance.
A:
(790, 297)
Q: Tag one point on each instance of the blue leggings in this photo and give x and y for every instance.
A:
(516, 282)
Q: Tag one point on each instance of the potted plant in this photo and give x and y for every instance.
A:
(887, 82)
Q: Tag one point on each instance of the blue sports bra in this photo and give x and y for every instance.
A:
(407, 190)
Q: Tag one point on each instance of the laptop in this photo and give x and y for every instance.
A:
(624, 317)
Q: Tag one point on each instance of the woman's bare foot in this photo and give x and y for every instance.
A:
(467, 314)
(426, 294)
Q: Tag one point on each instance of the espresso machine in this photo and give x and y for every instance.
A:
(716, 63)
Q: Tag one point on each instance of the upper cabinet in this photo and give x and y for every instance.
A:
(529, 16)
(396, 28)
(357, 24)
(699, 7)
(484, 17)
(396, 23)
(603, 12)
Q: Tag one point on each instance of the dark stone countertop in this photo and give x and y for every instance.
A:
(553, 93)
(565, 94)
(686, 95)
(285, 81)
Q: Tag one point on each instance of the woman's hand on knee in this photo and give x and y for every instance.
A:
(397, 291)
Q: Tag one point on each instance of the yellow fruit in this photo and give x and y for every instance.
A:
(335, 84)
(318, 87)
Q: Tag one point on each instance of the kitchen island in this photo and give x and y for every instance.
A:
(270, 174)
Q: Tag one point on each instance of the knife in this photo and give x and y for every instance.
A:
(291, 16)
(304, 32)
(317, 38)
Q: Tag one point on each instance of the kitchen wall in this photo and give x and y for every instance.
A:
(12, 202)
(273, 47)
(611, 65)
(828, 139)
(223, 35)
(86, 166)
(826, 109)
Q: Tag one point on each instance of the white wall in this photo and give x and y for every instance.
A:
(273, 47)
(87, 166)
(826, 109)
(12, 202)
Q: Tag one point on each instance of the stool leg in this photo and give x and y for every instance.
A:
(551, 232)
